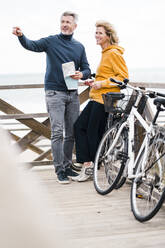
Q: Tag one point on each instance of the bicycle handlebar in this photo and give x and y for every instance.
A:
(125, 81)
(122, 85)
(154, 94)
(116, 82)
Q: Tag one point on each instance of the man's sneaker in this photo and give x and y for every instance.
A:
(86, 174)
(70, 173)
(62, 178)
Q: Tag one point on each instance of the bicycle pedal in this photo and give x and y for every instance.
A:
(139, 196)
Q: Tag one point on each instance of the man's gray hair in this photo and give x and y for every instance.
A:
(70, 13)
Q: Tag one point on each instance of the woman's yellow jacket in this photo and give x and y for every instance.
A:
(113, 65)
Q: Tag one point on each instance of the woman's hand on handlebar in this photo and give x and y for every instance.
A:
(88, 82)
(96, 85)
(93, 84)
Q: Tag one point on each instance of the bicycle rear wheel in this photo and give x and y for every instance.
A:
(148, 188)
(121, 182)
(108, 168)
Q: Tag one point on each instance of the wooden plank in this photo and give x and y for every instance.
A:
(37, 127)
(31, 137)
(18, 129)
(157, 85)
(41, 163)
(31, 123)
(84, 96)
(32, 147)
(10, 123)
(43, 155)
(21, 86)
(23, 116)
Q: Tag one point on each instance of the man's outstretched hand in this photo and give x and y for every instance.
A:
(17, 31)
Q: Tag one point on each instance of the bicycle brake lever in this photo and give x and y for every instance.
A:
(152, 95)
(126, 80)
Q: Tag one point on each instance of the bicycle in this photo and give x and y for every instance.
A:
(115, 157)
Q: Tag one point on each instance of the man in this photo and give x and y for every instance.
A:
(62, 103)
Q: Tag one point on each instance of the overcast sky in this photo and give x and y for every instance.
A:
(140, 25)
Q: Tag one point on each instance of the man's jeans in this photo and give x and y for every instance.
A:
(63, 109)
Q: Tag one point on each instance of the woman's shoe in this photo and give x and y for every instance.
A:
(86, 174)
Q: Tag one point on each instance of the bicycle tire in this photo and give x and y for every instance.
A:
(148, 191)
(121, 182)
(108, 169)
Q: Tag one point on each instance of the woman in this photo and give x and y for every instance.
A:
(91, 123)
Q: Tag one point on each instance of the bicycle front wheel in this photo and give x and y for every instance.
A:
(108, 166)
(148, 187)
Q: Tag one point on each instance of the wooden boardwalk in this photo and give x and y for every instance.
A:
(95, 221)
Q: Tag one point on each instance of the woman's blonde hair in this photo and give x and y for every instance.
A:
(110, 31)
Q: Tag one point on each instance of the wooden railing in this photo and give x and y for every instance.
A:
(36, 130)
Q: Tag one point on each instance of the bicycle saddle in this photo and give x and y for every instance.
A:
(159, 101)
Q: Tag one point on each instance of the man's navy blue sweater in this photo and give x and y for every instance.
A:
(59, 49)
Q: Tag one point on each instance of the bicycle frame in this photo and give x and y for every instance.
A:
(131, 162)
